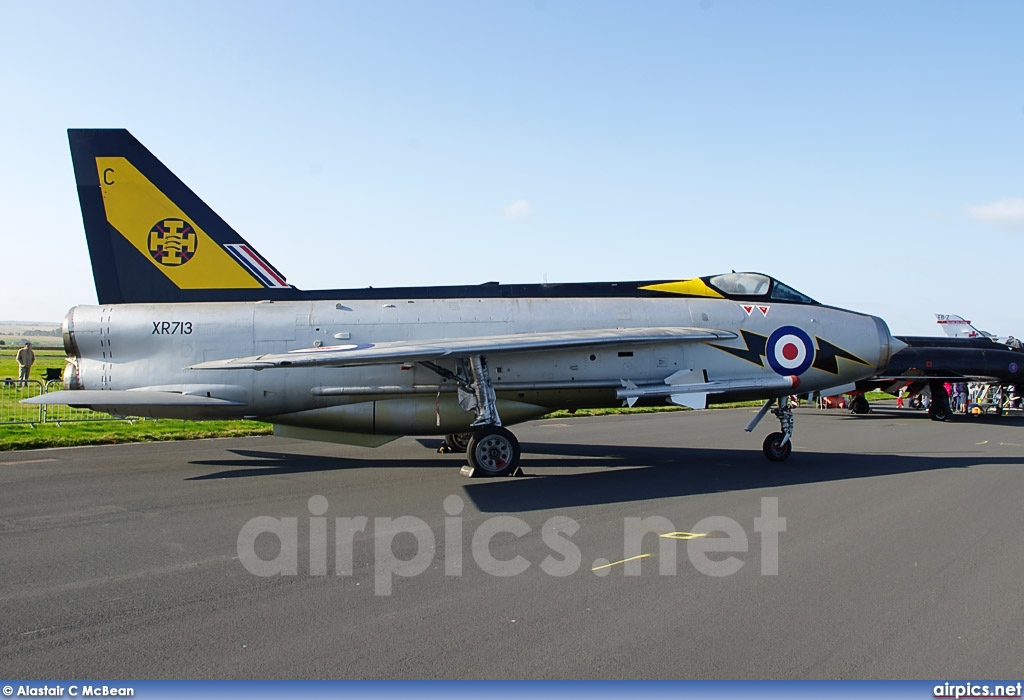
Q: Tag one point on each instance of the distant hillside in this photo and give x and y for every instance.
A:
(40, 332)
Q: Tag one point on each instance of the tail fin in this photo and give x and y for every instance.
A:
(151, 239)
(958, 327)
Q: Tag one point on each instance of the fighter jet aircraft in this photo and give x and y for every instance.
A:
(928, 362)
(194, 323)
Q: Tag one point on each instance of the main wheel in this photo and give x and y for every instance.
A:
(459, 442)
(939, 410)
(860, 405)
(774, 450)
(494, 451)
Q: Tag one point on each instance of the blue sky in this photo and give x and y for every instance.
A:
(870, 154)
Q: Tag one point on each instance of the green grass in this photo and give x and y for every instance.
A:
(108, 432)
(104, 431)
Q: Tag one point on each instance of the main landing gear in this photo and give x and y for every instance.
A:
(491, 449)
(859, 405)
(455, 442)
(777, 446)
(939, 408)
(494, 451)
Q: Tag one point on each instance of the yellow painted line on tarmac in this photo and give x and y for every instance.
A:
(983, 442)
(684, 535)
(1009, 444)
(616, 563)
(28, 461)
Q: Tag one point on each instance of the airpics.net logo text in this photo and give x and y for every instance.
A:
(715, 545)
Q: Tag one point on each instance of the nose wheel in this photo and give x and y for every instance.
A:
(775, 449)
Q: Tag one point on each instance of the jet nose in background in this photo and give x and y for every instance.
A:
(887, 345)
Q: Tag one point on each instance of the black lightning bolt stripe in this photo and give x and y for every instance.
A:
(826, 359)
(753, 352)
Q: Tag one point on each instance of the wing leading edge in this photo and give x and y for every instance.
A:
(357, 354)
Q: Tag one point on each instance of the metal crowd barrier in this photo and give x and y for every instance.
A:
(12, 411)
(12, 391)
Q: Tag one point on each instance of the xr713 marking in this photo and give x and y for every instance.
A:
(172, 328)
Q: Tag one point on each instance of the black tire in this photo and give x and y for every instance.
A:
(493, 451)
(458, 442)
(939, 411)
(774, 450)
(860, 405)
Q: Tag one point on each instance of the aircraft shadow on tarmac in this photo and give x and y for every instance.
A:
(252, 463)
(646, 473)
(619, 473)
(1011, 420)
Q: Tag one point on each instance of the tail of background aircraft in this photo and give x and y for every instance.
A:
(151, 239)
(958, 327)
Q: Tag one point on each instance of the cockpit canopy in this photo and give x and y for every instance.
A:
(754, 286)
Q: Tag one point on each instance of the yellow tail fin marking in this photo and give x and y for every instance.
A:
(163, 233)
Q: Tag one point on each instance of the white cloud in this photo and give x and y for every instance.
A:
(1007, 214)
(519, 210)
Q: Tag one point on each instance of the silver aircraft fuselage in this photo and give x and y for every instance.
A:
(154, 347)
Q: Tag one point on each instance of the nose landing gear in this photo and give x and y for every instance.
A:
(777, 446)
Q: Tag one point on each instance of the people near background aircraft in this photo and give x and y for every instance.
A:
(960, 397)
(975, 392)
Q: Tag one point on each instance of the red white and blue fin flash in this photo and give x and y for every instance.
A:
(256, 265)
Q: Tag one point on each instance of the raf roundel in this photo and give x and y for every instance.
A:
(172, 242)
(789, 351)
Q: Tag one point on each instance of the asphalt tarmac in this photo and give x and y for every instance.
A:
(888, 546)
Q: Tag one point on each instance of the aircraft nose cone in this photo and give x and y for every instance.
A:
(887, 344)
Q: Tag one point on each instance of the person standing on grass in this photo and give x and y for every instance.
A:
(26, 358)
